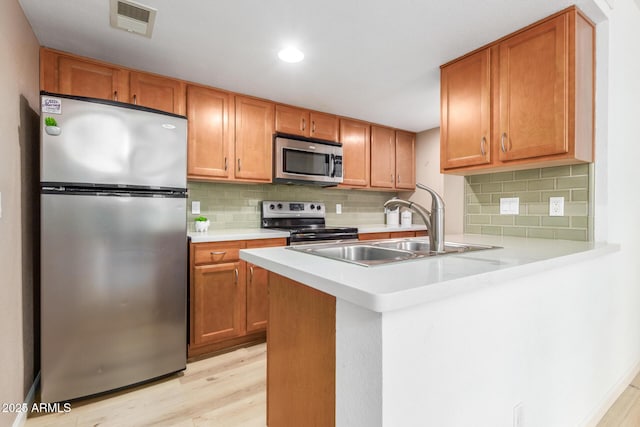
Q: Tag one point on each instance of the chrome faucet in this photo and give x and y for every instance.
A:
(434, 220)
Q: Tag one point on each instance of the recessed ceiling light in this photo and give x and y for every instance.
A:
(291, 54)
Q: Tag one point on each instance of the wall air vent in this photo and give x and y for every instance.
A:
(132, 17)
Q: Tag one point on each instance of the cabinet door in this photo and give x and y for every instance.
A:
(254, 139)
(534, 92)
(257, 278)
(257, 298)
(209, 138)
(83, 78)
(383, 157)
(465, 90)
(356, 161)
(405, 160)
(291, 120)
(157, 92)
(323, 126)
(219, 302)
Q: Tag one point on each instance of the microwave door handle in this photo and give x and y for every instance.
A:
(332, 166)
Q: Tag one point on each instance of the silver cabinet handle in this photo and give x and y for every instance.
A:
(482, 144)
(236, 271)
(304, 124)
(238, 165)
(218, 253)
(313, 126)
(502, 138)
(135, 99)
(226, 163)
(251, 274)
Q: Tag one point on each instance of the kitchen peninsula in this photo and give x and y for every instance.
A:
(464, 339)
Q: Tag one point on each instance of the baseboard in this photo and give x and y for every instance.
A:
(21, 419)
(612, 396)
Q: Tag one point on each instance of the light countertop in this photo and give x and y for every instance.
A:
(224, 235)
(384, 228)
(404, 284)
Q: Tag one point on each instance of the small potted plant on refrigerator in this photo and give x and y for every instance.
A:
(51, 126)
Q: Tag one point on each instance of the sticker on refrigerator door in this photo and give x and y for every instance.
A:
(51, 105)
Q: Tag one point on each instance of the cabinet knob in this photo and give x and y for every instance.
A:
(483, 141)
(502, 138)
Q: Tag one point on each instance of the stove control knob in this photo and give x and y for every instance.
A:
(319, 207)
(272, 206)
(312, 207)
(279, 205)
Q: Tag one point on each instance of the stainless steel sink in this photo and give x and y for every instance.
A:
(362, 254)
(423, 246)
(378, 252)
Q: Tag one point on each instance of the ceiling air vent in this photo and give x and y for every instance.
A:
(132, 17)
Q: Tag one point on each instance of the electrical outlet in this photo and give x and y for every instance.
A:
(518, 415)
(195, 208)
(338, 209)
(556, 206)
(509, 206)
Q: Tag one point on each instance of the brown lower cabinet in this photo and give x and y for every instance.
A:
(301, 355)
(391, 235)
(227, 296)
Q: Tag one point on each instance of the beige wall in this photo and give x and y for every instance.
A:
(18, 87)
(450, 187)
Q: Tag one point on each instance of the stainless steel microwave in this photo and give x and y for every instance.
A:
(301, 161)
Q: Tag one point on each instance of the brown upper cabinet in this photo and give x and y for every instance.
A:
(383, 157)
(405, 160)
(157, 92)
(524, 101)
(310, 124)
(254, 139)
(393, 159)
(74, 75)
(210, 143)
(356, 164)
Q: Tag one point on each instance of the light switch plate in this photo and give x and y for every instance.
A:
(338, 208)
(510, 206)
(195, 208)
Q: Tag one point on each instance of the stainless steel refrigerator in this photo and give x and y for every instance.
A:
(114, 245)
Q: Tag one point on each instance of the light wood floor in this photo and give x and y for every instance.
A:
(625, 412)
(227, 391)
(223, 391)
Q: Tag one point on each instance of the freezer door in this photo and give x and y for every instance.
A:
(108, 144)
(113, 293)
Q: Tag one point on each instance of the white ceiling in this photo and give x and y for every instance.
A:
(376, 60)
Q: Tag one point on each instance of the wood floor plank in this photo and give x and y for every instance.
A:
(226, 390)
(626, 405)
(636, 381)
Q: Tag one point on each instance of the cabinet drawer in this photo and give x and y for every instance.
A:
(213, 253)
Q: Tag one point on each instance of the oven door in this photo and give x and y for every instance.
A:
(308, 162)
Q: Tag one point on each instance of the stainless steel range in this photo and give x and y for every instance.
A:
(305, 221)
